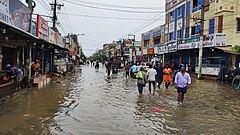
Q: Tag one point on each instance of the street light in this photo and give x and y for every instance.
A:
(133, 48)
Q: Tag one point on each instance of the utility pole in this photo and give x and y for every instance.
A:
(54, 8)
(201, 41)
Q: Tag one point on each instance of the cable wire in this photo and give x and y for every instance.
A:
(107, 17)
(111, 9)
(118, 6)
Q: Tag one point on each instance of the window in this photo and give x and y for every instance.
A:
(156, 41)
(211, 26)
(188, 8)
(179, 12)
(220, 24)
(170, 36)
(179, 34)
(171, 16)
(193, 30)
(238, 24)
(195, 3)
(198, 28)
(187, 33)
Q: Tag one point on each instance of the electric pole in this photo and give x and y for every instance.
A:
(54, 8)
(201, 41)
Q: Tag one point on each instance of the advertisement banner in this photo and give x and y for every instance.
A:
(156, 32)
(52, 36)
(155, 50)
(126, 51)
(150, 51)
(60, 40)
(218, 39)
(208, 41)
(20, 14)
(189, 44)
(163, 49)
(221, 39)
(144, 51)
(33, 28)
(42, 28)
(172, 47)
(4, 11)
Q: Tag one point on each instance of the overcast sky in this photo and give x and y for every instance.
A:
(98, 31)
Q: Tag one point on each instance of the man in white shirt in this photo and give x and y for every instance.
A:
(152, 78)
(182, 83)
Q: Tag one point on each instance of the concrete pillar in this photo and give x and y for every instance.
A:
(234, 59)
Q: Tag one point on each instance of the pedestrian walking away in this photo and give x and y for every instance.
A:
(167, 76)
(151, 74)
(141, 80)
(127, 69)
(159, 76)
(182, 83)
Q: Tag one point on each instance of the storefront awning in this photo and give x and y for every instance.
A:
(227, 50)
(18, 30)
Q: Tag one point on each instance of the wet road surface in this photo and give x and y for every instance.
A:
(88, 103)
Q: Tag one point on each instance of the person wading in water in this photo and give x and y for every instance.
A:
(182, 83)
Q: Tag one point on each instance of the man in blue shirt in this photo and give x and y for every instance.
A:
(134, 70)
(182, 82)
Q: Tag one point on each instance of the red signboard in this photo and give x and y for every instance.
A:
(42, 28)
(150, 51)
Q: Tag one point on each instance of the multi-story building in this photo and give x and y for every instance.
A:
(153, 42)
(220, 29)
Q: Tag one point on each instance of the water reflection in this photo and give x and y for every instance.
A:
(90, 103)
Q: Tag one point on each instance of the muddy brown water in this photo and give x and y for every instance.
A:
(88, 103)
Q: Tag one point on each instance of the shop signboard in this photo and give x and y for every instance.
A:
(208, 41)
(150, 51)
(221, 39)
(126, 51)
(118, 47)
(156, 32)
(163, 49)
(52, 36)
(144, 51)
(189, 44)
(155, 50)
(172, 47)
(60, 40)
(218, 39)
(33, 29)
(42, 28)
(14, 12)
(146, 35)
(171, 27)
(138, 52)
(4, 11)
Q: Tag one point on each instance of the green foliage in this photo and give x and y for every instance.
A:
(236, 48)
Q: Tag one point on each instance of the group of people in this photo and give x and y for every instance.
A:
(158, 74)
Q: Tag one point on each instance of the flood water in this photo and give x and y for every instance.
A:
(88, 103)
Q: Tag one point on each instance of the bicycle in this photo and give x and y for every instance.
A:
(236, 83)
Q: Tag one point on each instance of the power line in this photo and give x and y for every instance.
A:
(69, 22)
(119, 10)
(118, 6)
(146, 23)
(107, 17)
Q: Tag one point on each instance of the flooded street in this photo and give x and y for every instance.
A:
(88, 103)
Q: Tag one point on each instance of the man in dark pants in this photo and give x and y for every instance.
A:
(159, 76)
